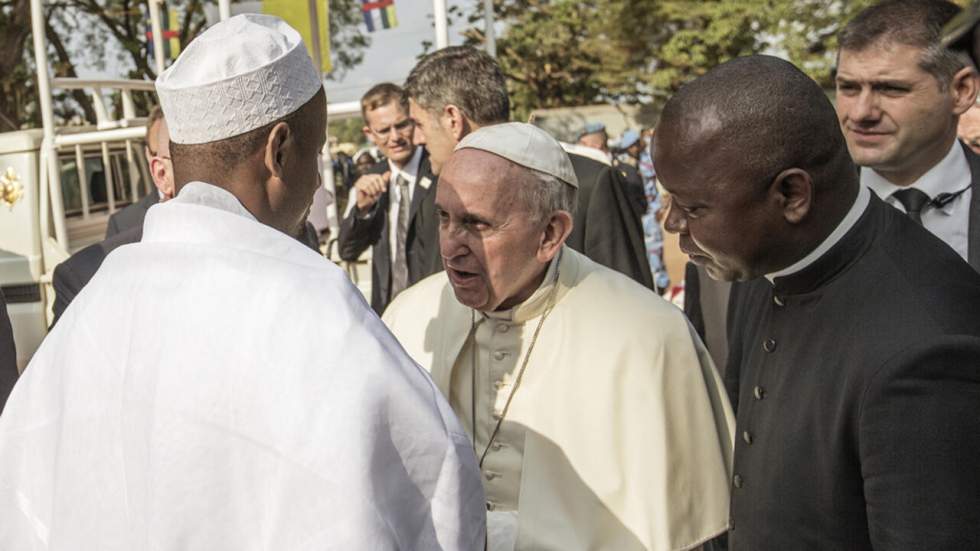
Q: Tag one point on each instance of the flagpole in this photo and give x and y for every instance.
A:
(489, 33)
(157, 34)
(224, 10)
(442, 26)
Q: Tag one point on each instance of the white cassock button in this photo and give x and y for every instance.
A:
(503, 327)
(499, 355)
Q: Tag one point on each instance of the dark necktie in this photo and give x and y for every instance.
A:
(914, 201)
(399, 268)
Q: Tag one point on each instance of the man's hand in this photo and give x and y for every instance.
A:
(369, 188)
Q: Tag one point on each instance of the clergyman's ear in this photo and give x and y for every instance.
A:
(276, 149)
(793, 190)
(555, 233)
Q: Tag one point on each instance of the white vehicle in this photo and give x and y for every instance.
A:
(60, 193)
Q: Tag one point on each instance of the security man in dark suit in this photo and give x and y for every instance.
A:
(900, 95)
(157, 151)
(8, 354)
(457, 90)
(383, 210)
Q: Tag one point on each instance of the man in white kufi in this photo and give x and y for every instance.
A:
(597, 415)
(219, 385)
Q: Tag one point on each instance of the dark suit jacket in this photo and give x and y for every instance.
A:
(607, 226)
(360, 230)
(74, 273)
(856, 383)
(8, 354)
(132, 215)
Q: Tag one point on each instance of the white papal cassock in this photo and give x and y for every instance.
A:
(221, 386)
(619, 435)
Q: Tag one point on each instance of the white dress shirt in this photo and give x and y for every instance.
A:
(410, 173)
(952, 221)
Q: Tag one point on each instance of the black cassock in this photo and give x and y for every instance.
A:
(857, 388)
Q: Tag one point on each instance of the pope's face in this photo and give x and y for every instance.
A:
(488, 242)
(434, 134)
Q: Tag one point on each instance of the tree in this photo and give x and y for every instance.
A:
(567, 53)
(79, 32)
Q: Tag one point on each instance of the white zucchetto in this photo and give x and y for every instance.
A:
(239, 75)
(523, 144)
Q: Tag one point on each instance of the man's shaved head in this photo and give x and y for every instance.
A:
(756, 167)
(759, 111)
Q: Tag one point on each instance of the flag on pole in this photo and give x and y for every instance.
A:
(297, 14)
(170, 27)
(379, 14)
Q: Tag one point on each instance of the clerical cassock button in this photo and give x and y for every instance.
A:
(769, 345)
(491, 506)
(502, 327)
(778, 300)
(747, 436)
(759, 392)
(737, 481)
(499, 355)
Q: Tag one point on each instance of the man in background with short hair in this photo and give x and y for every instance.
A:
(900, 94)
(383, 209)
(157, 152)
(126, 226)
(457, 90)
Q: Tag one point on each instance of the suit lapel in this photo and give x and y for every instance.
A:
(973, 230)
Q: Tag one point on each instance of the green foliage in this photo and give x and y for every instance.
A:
(347, 130)
(568, 53)
(78, 34)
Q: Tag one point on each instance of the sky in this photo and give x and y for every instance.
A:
(393, 52)
(390, 57)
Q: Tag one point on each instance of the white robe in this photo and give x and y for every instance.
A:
(627, 432)
(221, 386)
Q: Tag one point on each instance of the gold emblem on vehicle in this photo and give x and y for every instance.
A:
(11, 190)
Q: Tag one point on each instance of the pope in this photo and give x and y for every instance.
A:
(596, 414)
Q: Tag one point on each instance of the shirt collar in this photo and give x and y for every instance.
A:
(411, 168)
(851, 218)
(947, 176)
(536, 304)
(212, 196)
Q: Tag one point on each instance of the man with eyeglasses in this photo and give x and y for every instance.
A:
(125, 226)
(157, 151)
(383, 210)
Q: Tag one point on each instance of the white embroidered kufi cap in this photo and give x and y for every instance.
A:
(523, 144)
(238, 75)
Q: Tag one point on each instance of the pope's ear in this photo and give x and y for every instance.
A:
(792, 189)
(276, 148)
(555, 233)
